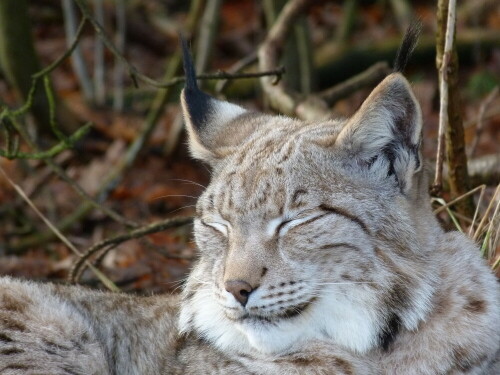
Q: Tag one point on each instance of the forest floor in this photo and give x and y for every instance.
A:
(162, 184)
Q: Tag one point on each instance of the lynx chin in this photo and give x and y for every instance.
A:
(319, 254)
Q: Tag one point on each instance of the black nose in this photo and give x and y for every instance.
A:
(239, 289)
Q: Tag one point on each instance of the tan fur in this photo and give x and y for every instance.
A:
(327, 232)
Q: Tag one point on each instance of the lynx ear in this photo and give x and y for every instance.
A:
(207, 119)
(384, 135)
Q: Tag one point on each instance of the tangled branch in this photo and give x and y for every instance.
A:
(109, 243)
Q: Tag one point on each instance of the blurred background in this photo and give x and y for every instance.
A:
(95, 140)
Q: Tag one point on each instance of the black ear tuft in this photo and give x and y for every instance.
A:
(189, 69)
(197, 103)
(209, 121)
(407, 46)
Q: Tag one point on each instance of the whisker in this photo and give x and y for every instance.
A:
(319, 294)
(177, 284)
(181, 208)
(177, 288)
(174, 195)
(188, 181)
(201, 281)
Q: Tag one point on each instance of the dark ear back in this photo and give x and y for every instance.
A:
(207, 119)
(384, 135)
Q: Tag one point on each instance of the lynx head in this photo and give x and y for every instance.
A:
(308, 231)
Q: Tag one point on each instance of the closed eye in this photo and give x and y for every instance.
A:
(286, 225)
(220, 227)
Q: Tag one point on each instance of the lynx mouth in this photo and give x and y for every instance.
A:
(289, 313)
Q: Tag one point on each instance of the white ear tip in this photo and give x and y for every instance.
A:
(207, 121)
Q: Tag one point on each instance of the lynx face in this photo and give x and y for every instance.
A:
(307, 230)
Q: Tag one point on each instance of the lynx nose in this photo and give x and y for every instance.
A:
(239, 289)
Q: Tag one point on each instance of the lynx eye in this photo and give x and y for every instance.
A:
(222, 226)
(281, 226)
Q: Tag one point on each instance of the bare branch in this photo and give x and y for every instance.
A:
(114, 241)
(280, 98)
(137, 76)
(371, 76)
(108, 283)
(276, 73)
(238, 66)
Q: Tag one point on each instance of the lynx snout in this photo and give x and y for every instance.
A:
(242, 277)
(240, 289)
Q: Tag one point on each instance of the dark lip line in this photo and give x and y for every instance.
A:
(292, 312)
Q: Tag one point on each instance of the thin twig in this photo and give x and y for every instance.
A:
(136, 75)
(371, 76)
(496, 264)
(458, 199)
(277, 73)
(480, 119)
(54, 150)
(235, 68)
(66, 142)
(463, 218)
(72, 47)
(108, 283)
(115, 174)
(451, 214)
(443, 89)
(493, 222)
(483, 221)
(476, 211)
(137, 233)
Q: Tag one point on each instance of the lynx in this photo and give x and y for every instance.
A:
(319, 254)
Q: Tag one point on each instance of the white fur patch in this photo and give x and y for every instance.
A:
(349, 321)
(222, 112)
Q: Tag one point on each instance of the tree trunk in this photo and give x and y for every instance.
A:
(18, 58)
(297, 53)
(19, 62)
